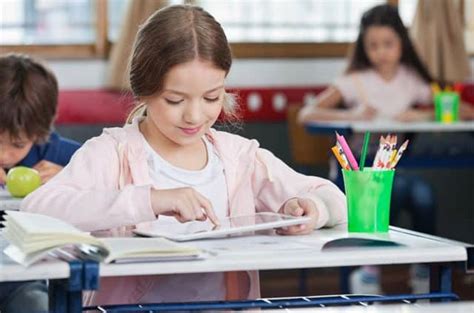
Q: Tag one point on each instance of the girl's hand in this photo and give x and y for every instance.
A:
(185, 204)
(364, 113)
(3, 176)
(47, 170)
(299, 207)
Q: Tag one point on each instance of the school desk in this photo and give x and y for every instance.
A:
(429, 159)
(295, 252)
(382, 126)
(262, 253)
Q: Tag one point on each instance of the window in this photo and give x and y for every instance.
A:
(255, 28)
(77, 28)
(289, 20)
(41, 22)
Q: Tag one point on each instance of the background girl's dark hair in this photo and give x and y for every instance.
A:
(174, 35)
(385, 15)
(28, 97)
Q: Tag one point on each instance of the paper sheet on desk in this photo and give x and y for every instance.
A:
(258, 244)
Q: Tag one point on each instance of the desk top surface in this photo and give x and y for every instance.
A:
(270, 252)
(267, 252)
(391, 126)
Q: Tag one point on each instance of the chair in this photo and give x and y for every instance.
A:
(306, 149)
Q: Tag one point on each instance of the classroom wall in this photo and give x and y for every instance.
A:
(85, 74)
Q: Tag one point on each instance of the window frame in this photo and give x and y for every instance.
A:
(242, 50)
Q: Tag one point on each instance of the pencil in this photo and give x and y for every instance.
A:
(402, 149)
(339, 158)
(363, 153)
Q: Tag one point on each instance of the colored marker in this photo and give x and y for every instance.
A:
(347, 152)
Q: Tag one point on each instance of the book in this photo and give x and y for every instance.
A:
(170, 228)
(32, 237)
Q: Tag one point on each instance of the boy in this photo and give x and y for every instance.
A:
(28, 102)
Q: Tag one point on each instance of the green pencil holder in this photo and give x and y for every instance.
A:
(446, 107)
(368, 194)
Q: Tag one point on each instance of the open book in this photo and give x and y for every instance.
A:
(33, 236)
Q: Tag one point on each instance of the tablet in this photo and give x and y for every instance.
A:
(235, 225)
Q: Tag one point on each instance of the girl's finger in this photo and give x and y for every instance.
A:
(207, 207)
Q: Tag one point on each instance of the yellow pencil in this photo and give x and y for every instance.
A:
(435, 88)
(392, 157)
(339, 158)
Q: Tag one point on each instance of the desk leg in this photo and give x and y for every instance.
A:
(303, 282)
(344, 274)
(445, 278)
(58, 298)
(66, 295)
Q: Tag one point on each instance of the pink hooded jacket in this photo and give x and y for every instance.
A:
(106, 186)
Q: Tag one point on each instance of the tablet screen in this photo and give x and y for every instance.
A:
(173, 229)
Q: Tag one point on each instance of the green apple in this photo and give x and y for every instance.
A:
(22, 180)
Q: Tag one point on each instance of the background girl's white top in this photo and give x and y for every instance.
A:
(389, 98)
(210, 182)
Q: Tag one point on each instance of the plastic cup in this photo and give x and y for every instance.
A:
(446, 107)
(368, 195)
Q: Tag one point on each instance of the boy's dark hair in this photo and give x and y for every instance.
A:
(28, 97)
(385, 15)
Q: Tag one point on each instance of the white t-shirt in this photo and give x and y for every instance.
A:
(209, 182)
(389, 98)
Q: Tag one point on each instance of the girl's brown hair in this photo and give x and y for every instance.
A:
(385, 15)
(174, 35)
(28, 97)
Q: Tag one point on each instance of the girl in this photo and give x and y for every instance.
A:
(169, 163)
(384, 80)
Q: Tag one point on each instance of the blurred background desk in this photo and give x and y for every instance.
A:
(347, 128)
(436, 145)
